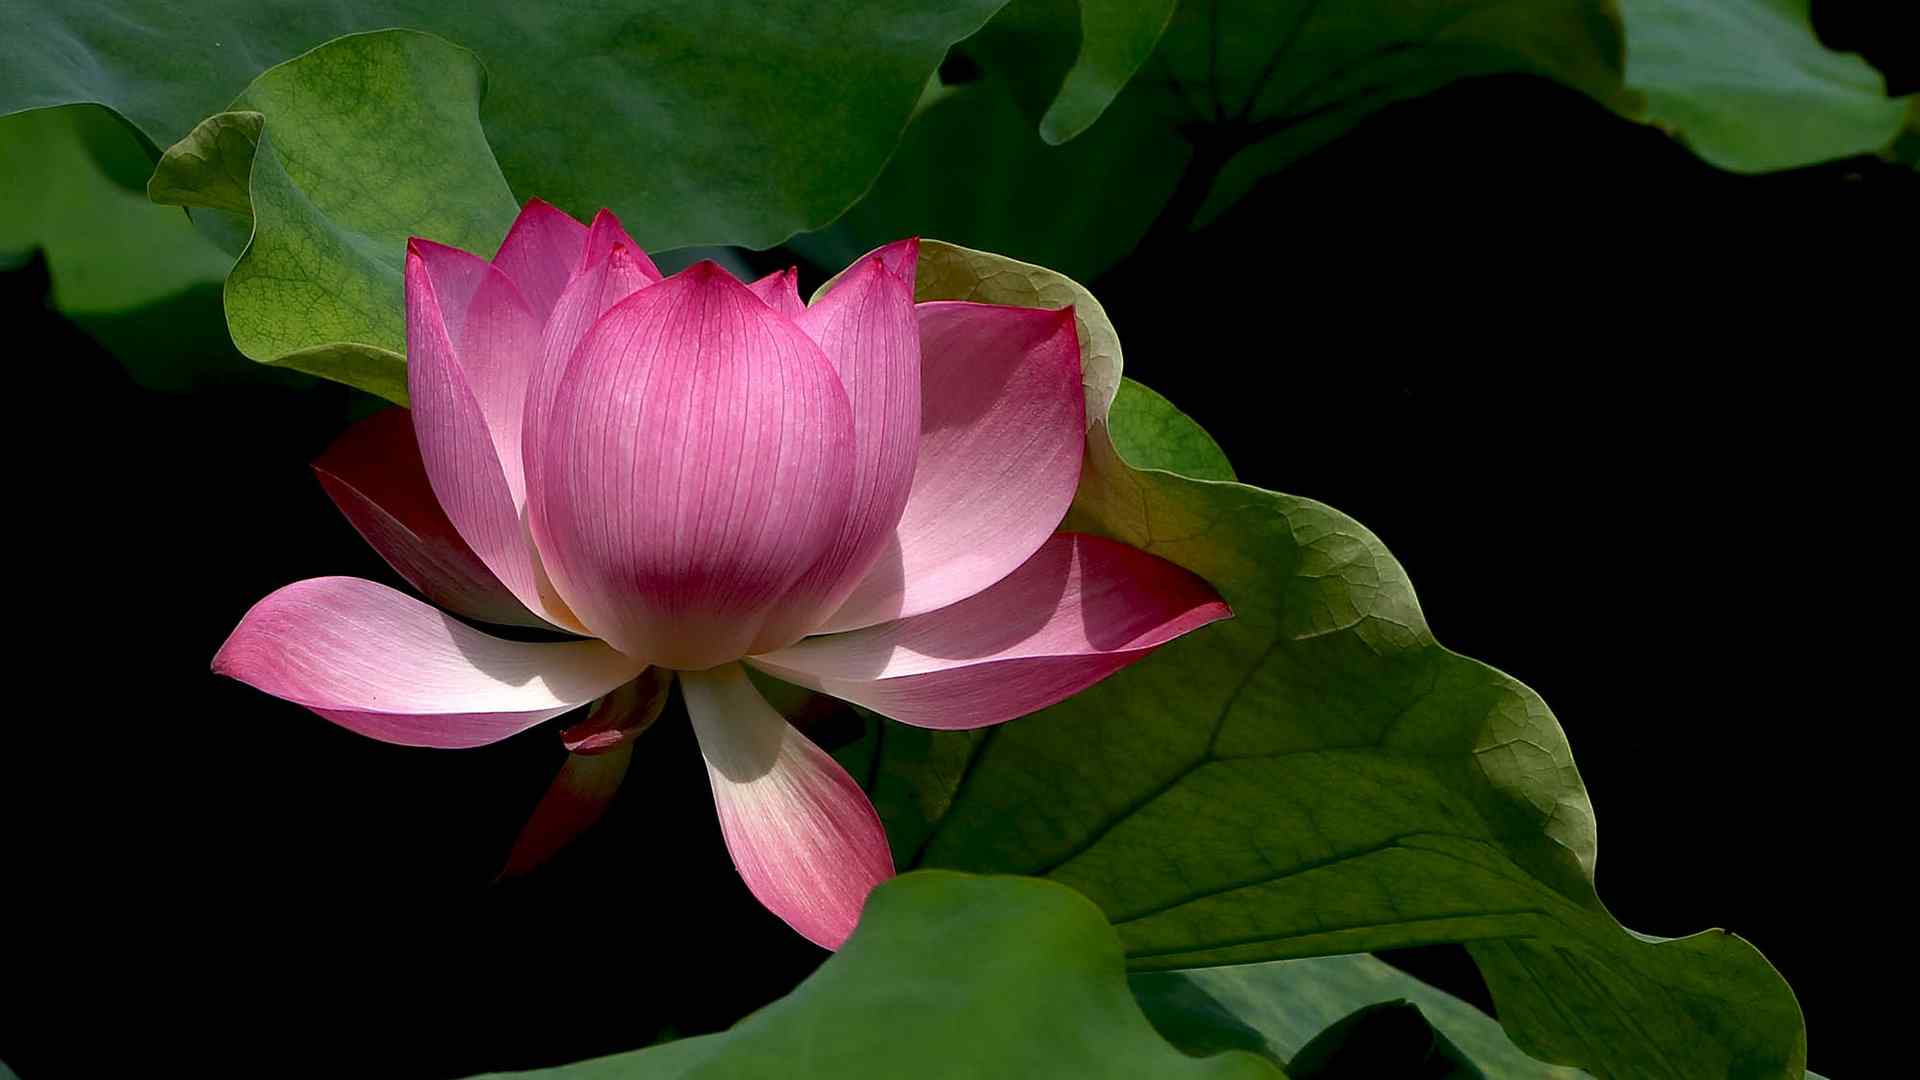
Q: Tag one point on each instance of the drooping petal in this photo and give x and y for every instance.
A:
(605, 234)
(1080, 609)
(781, 291)
(541, 252)
(1002, 427)
(867, 327)
(801, 832)
(613, 278)
(602, 746)
(374, 475)
(698, 460)
(383, 664)
(458, 431)
(576, 800)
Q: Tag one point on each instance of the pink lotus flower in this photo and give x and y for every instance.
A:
(861, 497)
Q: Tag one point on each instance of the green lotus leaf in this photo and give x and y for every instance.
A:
(329, 162)
(1316, 776)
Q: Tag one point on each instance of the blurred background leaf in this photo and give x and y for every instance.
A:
(1238, 90)
(135, 275)
(698, 121)
(1748, 85)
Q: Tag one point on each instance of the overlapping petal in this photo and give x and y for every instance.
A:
(612, 278)
(1080, 609)
(781, 291)
(1003, 422)
(541, 253)
(605, 234)
(383, 664)
(867, 327)
(801, 832)
(374, 475)
(698, 460)
(463, 315)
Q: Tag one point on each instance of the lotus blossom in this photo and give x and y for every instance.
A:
(688, 474)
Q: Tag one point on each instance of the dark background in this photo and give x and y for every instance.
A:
(1629, 422)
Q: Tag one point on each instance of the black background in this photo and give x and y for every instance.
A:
(1631, 424)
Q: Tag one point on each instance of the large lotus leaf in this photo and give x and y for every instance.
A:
(340, 155)
(700, 121)
(948, 976)
(1277, 1008)
(1316, 775)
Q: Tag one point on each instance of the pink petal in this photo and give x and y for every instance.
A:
(541, 252)
(464, 317)
(495, 338)
(698, 461)
(388, 666)
(1081, 609)
(901, 258)
(801, 832)
(867, 327)
(602, 746)
(781, 291)
(1002, 427)
(374, 475)
(605, 234)
(592, 292)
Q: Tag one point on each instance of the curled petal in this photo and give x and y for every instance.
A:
(541, 252)
(698, 460)
(1002, 429)
(383, 664)
(867, 327)
(781, 291)
(801, 832)
(463, 317)
(374, 475)
(1080, 609)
